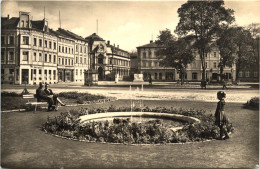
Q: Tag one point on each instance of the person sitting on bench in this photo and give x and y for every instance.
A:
(55, 98)
(42, 96)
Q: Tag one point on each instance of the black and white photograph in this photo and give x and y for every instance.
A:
(130, 84)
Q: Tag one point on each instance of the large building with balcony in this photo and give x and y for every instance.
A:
(149, 66)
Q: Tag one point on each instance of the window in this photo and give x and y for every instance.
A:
(72, 50)
(11, 71)
(59, 61)
(11, 55)
(34, 42)
(81, 49)
(62, 61)
(46, 58)
(247, 74)
(69, 50)
(69, 61)
(34, 56)
(76, 59)
(194, 76)
(76, 71)
(144, 55)
(80, 59)
(40, 57)
(85, 60)
(206, 65)
(72, 62)
(2, 55)
(45, 43)
(62, 49)
(66, 61)
(54, 58)
(25, 40)
(40, 42)
(255, 74)
(215, 54)
(150, 54)
(59, 48)
(25, 55)
(215, 65)
(80, 71)
(50, 58)
(85, 50)
(2, 40)
(40, 71)
(240, 74)
(155, 76)
(11, 40)
(54, 74)
(76, 48)
(50, 44)
(54, 45)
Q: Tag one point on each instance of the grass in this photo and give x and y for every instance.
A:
(12, 100)
(24, 145)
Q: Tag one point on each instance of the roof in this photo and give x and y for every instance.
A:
(116, 48)
(11, 23)
(94, 37)
(70, 34)
(149, 45)
(38, 24)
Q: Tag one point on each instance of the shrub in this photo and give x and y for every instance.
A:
(253, 103)
(13, 94)
(80, 97)
(125, 131)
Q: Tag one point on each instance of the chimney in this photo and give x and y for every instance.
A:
(117, 46)
(151, 41)
(108, 42)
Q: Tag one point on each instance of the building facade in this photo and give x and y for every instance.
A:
(28, 51)
(108, 60)
(149, 66)
(31, 52)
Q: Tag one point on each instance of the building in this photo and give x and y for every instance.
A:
(28, 51)
(149, 66)
(31, 52)
(75, 53)
(108, 60)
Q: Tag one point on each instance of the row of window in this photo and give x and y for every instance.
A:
(10, 55)
(48, 58)
(47, 43)
(49, 77)
(247, 74)
(10, 40)
(118, 62)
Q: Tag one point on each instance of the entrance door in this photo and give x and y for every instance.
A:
(100, 73)
(25, 76)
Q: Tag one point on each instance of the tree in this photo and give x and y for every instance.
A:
(201, 21)
(174, 53)
(234, 47)
(254, 30)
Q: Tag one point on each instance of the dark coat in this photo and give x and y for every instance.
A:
(220, 116)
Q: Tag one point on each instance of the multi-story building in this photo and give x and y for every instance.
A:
(118, 62)
(76, 50)
(149, 65)
(108, 60)
(29, 51)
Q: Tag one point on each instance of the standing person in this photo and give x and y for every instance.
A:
(224, 84)
(221, 119)
(42, 96)
(55, 98)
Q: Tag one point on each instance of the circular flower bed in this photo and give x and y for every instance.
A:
(124, 131)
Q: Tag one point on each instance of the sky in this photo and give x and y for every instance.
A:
(125, 23)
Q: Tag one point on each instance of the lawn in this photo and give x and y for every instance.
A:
(25, 145)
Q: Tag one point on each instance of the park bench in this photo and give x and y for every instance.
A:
(29, 97)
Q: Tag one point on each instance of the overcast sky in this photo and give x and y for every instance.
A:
(128, 24)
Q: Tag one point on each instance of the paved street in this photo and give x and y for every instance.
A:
(158, 91)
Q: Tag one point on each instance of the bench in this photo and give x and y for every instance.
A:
(33, 103)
